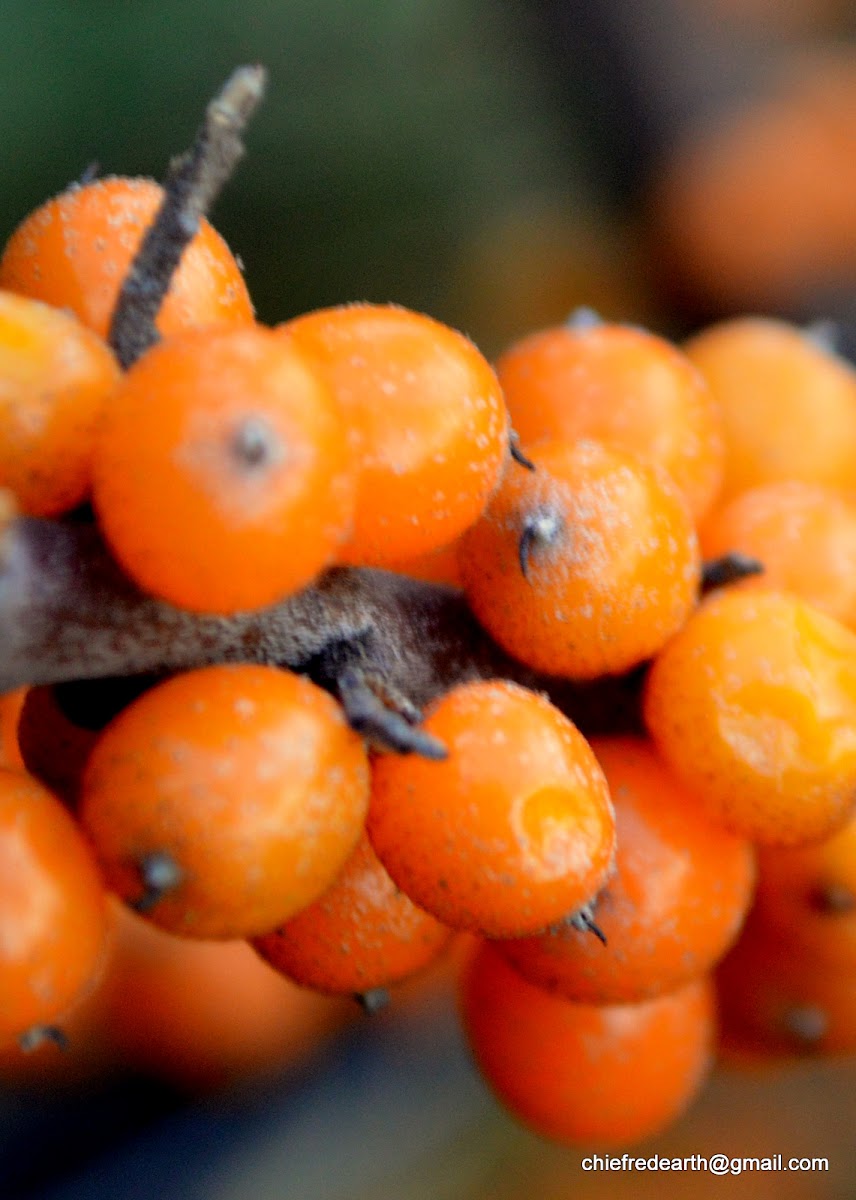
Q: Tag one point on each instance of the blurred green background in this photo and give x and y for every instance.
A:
(395, 137)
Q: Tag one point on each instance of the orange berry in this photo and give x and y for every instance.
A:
(512, 831)
(781, 1002)
(57, 376)
(246, 781)
(803, 534)
(363, 933)
(618, 384)
(428, 420)
(753, 706)
(674, 905)
(807, 896)
(53, 912)
(788, 404)
(74, 252)
(605, 1074)
(584, 566)
(222, 477)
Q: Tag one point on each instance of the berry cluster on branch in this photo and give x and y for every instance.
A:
(337, 640)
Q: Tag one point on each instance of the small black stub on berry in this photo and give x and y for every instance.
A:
(584, 921)
(160, 874)
(376, 714)
(541, 529)
(255, 445)
(373, 1000)
(806, 1024)
(517, 454)
(37, 1035)
(832, 899)
(728, 568)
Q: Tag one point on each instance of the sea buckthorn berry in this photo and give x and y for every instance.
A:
(56, 376)
(779, 1001)
(363, 933)
(75, 251)
(245, 780)
(672, 908)
(584, 566)
(753, 706)
(788, 403)
(54, 924)
(803, 534)
(807, 896)
(428, 419)
(512, 831)
(603, 1074)
(222, 475)
(620, 384)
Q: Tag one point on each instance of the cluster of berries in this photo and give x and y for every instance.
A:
(601, 880)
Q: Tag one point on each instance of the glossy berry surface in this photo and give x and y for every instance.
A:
(75, 250)
(584, 566)
(752, 705)
(607, 1075)
(247, 779)
(673, 906)
(54, 924)
(428, 423)
(232, 435)
(513, 830)
(619, 384)
(363, 933)
(57, 378)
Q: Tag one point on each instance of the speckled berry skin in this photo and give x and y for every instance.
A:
(75, 250)
(614, 567)
(753, 706)
(248, 777)
(428, 423)
(363, 933)
(514, 830)
(673, 906)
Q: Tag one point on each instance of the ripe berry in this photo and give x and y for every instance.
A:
(753, 706)
(673, 906)
(512, 831)
(788, 403)
(584, 566)
(226, 799)
(807, 896)
(222, 477)
(428, 421)
(776, 999)
(57, 377)
(606, 1074)
(53, 912)
(618, 384)
(363, 933)
(804, 534)
(75, 250)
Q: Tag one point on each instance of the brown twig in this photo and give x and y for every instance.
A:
(191, 187)
(67, 612)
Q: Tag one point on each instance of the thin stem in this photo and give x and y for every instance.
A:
(193, 183)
